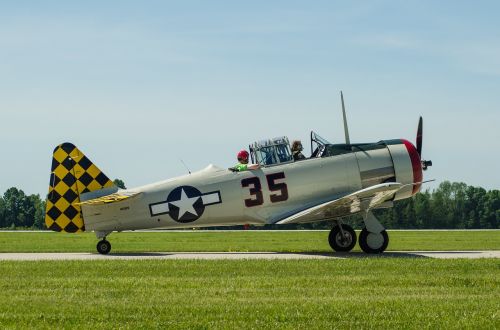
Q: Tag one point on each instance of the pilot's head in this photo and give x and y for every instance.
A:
(297, 145)
(243, 156)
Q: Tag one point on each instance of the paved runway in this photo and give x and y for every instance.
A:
(246, 255)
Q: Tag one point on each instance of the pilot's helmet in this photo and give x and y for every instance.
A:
(242, 155)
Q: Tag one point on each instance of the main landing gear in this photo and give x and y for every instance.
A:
(372, 239)
(373, 242)
(103, 246)
(342, 237)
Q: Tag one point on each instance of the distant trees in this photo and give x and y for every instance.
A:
(119, 183)
(450, 206)
(20, 210)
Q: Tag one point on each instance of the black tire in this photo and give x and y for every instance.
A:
(103, 247)
(339, 243)
(366, 239)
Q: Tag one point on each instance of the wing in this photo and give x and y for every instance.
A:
(360, 200)
(113, 198)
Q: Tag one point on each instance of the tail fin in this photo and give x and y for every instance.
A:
(73, 174)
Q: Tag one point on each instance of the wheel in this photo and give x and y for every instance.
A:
(339, 243)
(373, 243)
(103, 247)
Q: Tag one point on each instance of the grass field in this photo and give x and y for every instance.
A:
(307, 294)
(239, 241)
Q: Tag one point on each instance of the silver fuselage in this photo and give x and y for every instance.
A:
(305, 183)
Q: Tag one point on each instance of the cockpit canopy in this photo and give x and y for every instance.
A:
(321, 148)
(277, 151)
(271, 152)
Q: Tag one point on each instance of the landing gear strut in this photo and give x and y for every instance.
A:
(103, 246)
(373, 238)
(342, 238)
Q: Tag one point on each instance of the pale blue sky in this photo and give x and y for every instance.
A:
(138, 85)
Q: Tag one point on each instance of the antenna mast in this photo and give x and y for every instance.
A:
(187, 168)
(346, 130)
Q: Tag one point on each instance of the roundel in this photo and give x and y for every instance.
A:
(185, 204)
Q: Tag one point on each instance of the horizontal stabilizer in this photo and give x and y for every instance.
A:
(113, 198)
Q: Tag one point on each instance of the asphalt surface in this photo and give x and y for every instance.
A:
(246, 255)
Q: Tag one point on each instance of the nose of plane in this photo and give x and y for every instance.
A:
(415, 163)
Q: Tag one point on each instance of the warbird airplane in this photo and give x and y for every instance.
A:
(337, 180)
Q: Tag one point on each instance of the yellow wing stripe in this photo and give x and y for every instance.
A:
(113, 198)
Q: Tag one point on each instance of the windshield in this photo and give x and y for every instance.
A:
(318, 139)
(317, 145)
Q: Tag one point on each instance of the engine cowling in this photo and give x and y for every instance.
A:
(407, 166)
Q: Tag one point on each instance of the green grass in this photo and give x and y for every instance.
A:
(192, 294)
(279, 241)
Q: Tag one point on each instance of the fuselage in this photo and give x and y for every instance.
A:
(219, 197)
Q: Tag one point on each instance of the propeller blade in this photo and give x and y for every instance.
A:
(419, 136)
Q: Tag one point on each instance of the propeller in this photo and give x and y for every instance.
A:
(425, 163)
(419, 136)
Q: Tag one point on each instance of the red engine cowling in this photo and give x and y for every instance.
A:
(407, 166)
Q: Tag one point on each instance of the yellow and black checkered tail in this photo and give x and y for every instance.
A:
(73, 174)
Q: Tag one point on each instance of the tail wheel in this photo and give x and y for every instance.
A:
(373, 243)
(342, 243)
(103, 247)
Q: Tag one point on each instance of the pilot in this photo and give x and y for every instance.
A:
(243, 163)
(297, 150)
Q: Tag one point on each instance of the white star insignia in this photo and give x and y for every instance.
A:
(185, 204)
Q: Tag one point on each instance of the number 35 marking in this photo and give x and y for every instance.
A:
(255, 187)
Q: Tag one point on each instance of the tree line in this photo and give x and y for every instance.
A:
(18, 210)
(450, 206)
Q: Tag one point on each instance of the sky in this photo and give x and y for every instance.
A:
(139, 86)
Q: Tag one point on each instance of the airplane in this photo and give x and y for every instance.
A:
(336, 181)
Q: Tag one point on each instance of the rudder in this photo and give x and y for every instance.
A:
(72, 174)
